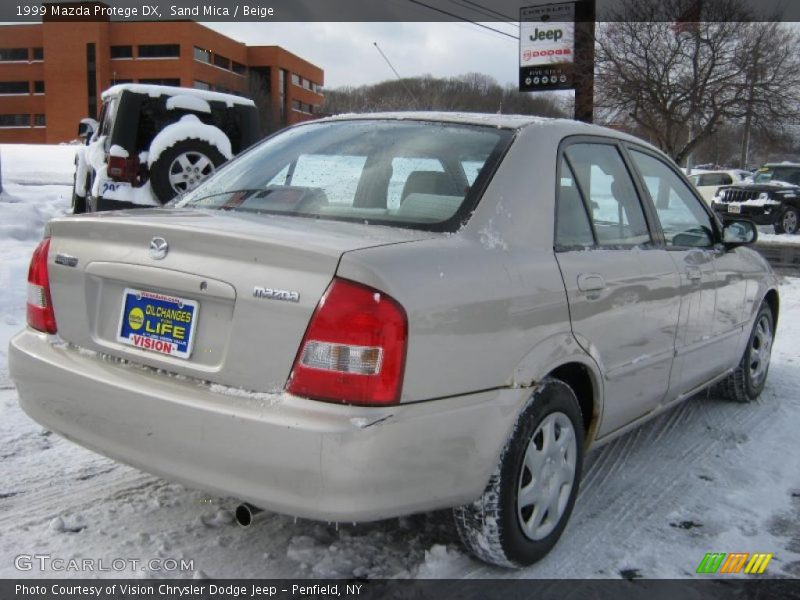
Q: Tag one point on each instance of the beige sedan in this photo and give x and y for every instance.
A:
(370, 316)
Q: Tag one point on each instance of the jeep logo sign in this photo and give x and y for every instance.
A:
(550, 34)
(546, 47)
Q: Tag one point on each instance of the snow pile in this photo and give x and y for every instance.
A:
(35, 164)
(186, 102)
(25, 209)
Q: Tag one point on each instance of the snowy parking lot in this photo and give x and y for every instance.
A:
(707, 476)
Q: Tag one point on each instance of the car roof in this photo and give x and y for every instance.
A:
(566, 126)
(781, 164)
(154, 91)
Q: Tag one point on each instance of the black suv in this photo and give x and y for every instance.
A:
(154, 142)
(773, 198)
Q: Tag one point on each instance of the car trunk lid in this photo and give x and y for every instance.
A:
(251, 283)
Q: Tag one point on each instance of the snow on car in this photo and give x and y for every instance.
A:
(154, 142)
(356, 360)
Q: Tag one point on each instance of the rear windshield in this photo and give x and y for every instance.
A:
(408, 173)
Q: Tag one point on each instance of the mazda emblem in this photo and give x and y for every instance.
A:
(158, 248)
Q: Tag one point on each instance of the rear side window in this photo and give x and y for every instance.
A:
(572, 220)
(615, 209)
(408, 173)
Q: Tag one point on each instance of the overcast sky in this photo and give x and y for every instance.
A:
(346, 52)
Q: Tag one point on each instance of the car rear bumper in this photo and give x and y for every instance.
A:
(280, 452)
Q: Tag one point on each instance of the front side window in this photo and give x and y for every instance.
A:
(379, 172)
(615, 210)
(683, 218)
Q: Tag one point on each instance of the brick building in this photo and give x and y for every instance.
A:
(52, 74)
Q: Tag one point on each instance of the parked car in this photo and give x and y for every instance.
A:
(773, 198)
(154, 142)
(371, 316)
(708, 182)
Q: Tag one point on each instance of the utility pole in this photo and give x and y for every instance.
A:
(585, 13)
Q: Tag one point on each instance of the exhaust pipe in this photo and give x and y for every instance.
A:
(247, 513)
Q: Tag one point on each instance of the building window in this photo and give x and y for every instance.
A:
(39, 121)
(296, 105)
(295, 79)
(172, 82)
(121, 51)
(38, 87)
(159, 51)
(13, 54)
(38, 54)
(15, 120)
(121, 81)
(202, 55)
(13, 87)
(91, 80)
(239, 68)
(200, 85)
(306, 84)
(222, 62)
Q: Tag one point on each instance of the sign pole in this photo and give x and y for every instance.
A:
(584, 60)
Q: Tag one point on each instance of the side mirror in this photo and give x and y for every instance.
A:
(739, 233)
(86, 129)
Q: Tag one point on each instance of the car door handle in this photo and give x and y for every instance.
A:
(694, 273)
(591, 282)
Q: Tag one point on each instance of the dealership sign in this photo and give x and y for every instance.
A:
(546, 47)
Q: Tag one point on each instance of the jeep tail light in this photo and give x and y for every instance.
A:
(40, 305)
(354, 349)
(123, 169)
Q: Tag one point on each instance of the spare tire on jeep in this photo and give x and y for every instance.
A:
(182, 167)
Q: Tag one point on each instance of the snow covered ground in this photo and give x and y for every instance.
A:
(706, 476)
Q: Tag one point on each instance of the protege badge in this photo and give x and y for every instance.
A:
(271, 294)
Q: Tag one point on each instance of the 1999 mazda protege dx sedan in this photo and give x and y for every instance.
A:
(376, 315)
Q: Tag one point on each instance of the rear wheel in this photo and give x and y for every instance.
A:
(789, 221)
(183, 167)
(746, 383)
(526, 505)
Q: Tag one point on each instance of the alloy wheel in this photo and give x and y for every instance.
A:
(188, 170)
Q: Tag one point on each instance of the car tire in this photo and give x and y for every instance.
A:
(78, 202)
(747, 381)
(182, 167)
(789, 221)
(542, 459)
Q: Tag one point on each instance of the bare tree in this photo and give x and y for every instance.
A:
(680, 81)
(470, 92)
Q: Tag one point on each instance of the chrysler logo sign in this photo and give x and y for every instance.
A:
(158, 248)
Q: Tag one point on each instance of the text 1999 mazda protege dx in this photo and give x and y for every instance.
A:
(371, 316)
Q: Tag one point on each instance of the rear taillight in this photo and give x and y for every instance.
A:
(354, 349)
(123, 169)
(40, 305)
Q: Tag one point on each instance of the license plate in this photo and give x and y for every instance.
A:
(734, 208)
(158, 323)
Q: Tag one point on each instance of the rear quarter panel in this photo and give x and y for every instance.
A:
(486, 306)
